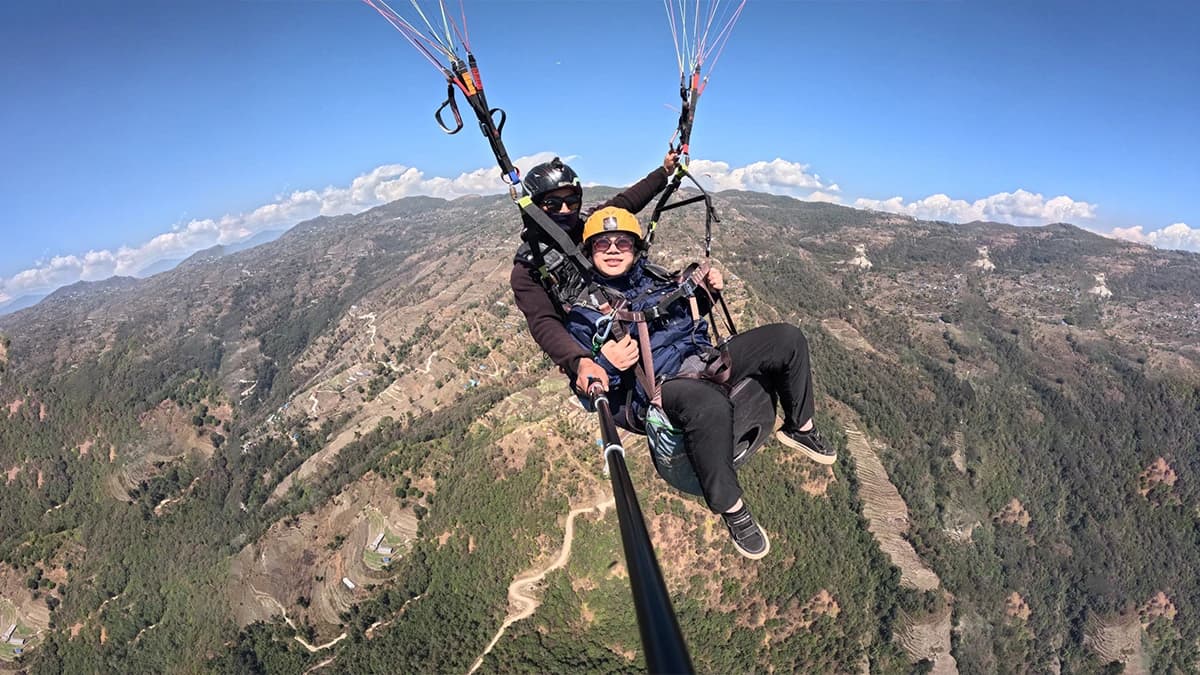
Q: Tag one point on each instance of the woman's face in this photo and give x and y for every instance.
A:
(612, 253)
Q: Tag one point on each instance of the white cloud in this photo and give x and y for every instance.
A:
(1019, 208)
(819, 196)
(394, 181)
(1175, 236)
(777, 176)
(383, 184)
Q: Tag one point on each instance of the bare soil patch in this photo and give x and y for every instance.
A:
(817, 478)
(1119, 639)
(1014, 513)
(1016, 607)
(17, 606)
(849, 336)
(1159, 472)
(308, 556)
(796, 615)
(959, 456)
(173, 432)
(887, 514)
(929, 639)
(1158, 606)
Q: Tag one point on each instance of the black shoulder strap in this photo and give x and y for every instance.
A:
(554, 234)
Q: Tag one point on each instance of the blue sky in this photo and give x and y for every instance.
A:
(198, 122)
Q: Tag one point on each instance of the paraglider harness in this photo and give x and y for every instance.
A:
(568, 276)
(562, 266)
(559, 274)
(617, 321)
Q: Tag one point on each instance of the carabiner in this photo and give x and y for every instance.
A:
(603, 330)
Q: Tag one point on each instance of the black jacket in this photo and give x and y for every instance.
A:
(544, 318)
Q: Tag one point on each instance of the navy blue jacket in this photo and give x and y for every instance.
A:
(674, 337)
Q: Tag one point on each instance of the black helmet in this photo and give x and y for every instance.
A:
(550, 176)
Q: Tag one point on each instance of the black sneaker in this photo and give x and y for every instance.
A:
(808, 442)
(748, 538)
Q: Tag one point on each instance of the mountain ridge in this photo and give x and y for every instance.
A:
(382, 348)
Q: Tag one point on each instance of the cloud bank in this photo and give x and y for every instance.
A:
(1177, 236)
(1018, 208)
(777, 176)
(394, 181)
(381, 185)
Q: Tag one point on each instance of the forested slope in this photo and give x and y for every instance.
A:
(1042, 434)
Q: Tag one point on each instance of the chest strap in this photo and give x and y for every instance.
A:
(689, 281)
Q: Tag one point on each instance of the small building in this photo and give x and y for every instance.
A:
(8, 633)
(349, 584)
(384, 550)
(376, 542)
(17, 642)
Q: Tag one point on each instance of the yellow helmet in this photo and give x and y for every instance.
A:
(612, 219)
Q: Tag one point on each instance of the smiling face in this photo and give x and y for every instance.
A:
(613, 253)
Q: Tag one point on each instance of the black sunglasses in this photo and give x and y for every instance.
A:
(602, 243)
(553, 203)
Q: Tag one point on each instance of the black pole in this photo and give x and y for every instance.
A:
(662, 641)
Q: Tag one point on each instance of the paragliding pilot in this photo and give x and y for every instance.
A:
(544, 299)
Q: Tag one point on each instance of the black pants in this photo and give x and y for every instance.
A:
(778, 355)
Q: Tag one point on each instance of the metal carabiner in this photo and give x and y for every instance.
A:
(603, 329)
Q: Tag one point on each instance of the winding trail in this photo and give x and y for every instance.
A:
(521, 591)
(311, 648)
(370, 327)
(171, 500)
(369, 632)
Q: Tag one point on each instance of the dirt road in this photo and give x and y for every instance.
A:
(311, 648)
(521, 596)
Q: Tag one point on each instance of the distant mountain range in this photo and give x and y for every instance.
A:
(152, 269)
(20, 303)
(343, 446)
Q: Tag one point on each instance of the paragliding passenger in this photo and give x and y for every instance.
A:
(698, 408)
(555, 187)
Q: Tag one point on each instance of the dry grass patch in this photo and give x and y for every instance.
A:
(1159, 472)
(1158, 606)
(1015, 607)
(1014, 513)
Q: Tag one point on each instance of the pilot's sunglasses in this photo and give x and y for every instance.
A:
(623, 242)
(554, 203)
